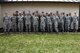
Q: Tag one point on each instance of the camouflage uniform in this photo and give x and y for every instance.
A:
(13, 24)
(42, 24)
(67, 23)
(28, 23)
(20, 23)
(6, 23)
(35, 23)
(75, 23)
(56, 20)
(49, 23)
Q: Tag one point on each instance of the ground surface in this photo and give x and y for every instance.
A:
(39, 43)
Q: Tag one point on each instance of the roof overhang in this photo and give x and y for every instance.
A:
(39, 2)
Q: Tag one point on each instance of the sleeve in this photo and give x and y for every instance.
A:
(45, 19)
(31, 19)
(78, 18)
(58, 19)
(17, 19)
(11, 19)
(3, 19)
(51, 18)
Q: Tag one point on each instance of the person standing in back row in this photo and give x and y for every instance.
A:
(49, 22)
(35, 22)
(24, 19)
(71, 23)
(28, 22)
(16, 14)
(39, 20)
(62, 22)
(42, 23)
(20, 22)
(67, 23)
(13, 19)
(56, 20)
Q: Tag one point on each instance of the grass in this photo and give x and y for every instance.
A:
(39, 43)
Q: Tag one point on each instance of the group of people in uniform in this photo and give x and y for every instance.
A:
(40, 22)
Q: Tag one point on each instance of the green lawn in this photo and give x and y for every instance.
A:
(39, 43)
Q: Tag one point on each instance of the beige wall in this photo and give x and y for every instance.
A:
(47, 7)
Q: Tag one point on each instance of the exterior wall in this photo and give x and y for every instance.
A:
(46, 7)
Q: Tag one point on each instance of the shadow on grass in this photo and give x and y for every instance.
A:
(37, 33)
(4, 34)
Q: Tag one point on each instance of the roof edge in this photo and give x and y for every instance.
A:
(37, 1)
